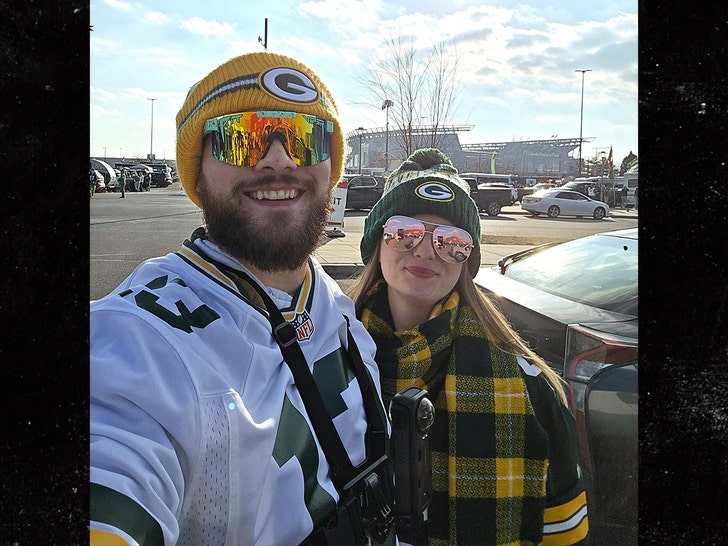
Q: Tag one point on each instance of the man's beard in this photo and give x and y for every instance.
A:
(283, 244)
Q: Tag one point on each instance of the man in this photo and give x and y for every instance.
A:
(92, 180)
(199, 434)
(122, 182)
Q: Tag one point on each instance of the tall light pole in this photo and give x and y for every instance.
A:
(581, 115)
(361, 132)
(151, 132)
(385, 106)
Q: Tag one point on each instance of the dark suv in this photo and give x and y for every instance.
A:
(161, 177)
(363, 191)
(581, 187)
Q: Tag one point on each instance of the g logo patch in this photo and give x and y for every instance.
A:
(434, 191)
(289, 85)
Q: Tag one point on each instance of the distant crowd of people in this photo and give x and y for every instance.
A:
(135, 180)
(128, 180)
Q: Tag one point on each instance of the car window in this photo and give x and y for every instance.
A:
(363, 182)
(598, 271)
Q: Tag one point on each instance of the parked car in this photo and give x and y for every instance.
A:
(100, 186)
(511, 188)
(533, 188)
(363, 191)
(557, 201)
(585, 188)
(107, 173)
(523, 189)
(576, 304)
(161, 176)
(490, 199)
(543, 186)
(114, 186)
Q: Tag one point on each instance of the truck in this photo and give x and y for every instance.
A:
(490, 199)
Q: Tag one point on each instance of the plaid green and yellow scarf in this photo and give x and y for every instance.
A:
(489, 453)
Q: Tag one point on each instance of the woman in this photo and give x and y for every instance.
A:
(504, 458)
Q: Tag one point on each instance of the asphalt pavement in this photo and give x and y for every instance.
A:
(112, 258)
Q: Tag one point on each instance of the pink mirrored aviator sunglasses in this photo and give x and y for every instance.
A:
(452, 244)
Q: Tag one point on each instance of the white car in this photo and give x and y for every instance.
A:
(556, 202)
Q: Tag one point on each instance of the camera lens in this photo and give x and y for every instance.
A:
(425, 414)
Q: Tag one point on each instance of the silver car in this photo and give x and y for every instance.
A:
(576, 304)
(560, 202)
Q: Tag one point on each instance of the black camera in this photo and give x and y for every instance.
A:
(369, 509)
(412, 415)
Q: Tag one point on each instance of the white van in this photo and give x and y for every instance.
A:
(628, 179)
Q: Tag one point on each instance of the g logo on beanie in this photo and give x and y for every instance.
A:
(434, 191)
(289, 84)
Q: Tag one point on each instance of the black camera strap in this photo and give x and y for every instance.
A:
(343, 473)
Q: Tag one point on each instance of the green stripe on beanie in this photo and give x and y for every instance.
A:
(425, 183)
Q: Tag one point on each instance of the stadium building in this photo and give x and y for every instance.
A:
(378, 151)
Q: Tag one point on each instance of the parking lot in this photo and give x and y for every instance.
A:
(148, 224)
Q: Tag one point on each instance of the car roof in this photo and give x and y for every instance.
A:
(627, 233)
(551, 191)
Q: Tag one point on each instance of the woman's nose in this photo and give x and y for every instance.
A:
(276, 157)
(425, 249)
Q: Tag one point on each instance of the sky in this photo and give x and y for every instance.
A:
(519, 63)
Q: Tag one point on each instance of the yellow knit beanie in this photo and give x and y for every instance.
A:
(254, 81)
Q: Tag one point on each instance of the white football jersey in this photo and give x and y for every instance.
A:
(198, 433)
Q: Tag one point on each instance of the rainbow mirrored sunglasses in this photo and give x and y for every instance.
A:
(452, 244)
(242, 139)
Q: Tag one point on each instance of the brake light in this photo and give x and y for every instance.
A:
(589, 352)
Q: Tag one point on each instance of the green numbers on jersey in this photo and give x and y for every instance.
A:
(185, 320)
(295, 439)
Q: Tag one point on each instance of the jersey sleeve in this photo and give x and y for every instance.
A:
(565, 516)
(141, 441)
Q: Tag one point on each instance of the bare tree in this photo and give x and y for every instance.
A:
(423, 85)
(443, 88)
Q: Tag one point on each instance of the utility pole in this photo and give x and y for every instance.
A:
(385, 107)
(264, 41)
(581, 116)
(151, 137)
(361, 132)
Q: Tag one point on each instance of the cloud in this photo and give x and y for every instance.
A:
(201, 27)
(124, 6)
(156, 17)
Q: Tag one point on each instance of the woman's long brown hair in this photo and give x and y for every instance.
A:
(494, 323)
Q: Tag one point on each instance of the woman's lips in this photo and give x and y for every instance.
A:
(421, 272)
